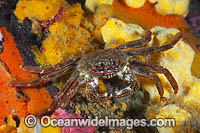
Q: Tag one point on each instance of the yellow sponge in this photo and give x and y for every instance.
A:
(174, 60)
(37, 9)
(175, 112)
(195, 65)
(73, 15)
(179, 64)
(178, 7)
(92, 5)
(115, 32)
(65, 42)
(182, 106)
(51, 130)
(135, 3)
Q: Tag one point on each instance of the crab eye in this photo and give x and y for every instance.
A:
(94, 69)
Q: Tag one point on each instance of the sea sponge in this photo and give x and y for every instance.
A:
(174, 60)
(135, 3)
(188, 97)
(178, 7)
(195, 65)
(73, 15)
(38, 9)
(179, 65)
(61, 39)
(74, 33)
(8, 129)
(147, 16)
(92, 5)
(51, 130)
(63, 35)
(116, 32)
(98, 19)
(8, 98)
(175, 112)
(101, 15)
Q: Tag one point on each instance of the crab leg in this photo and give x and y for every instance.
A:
(158, 69)
(137, 43)
(43, 79)
(72, 91)
(92, 93)
(134, 85)
(128, 90)
(56, 101)
(63, 97)
(54, 105)
(151, 75)
(169, 44)
(45, 70)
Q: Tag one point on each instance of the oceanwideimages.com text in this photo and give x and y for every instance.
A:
(46, 121)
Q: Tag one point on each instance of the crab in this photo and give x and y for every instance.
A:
(88, 69)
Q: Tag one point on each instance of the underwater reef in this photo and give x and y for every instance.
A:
(44, 33)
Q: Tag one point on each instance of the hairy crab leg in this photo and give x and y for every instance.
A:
(45, 70)
(137, 43)
(134, 85)
(63, 95)
(158, 69)
(43, 79)
(168, 45)
(150, 75)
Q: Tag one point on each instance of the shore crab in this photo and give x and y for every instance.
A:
(104, 64)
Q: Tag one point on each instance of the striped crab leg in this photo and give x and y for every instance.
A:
(130, 78)
(137, 43)
(150, 75)
(43, 79)
(158, 69)
(63, 97)
(49, 69)
(168, 45)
